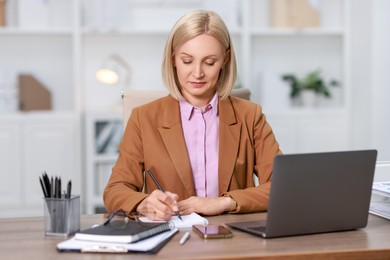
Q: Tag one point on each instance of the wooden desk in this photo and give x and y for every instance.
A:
(23, 238)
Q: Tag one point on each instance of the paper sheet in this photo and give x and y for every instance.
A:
(382, 186)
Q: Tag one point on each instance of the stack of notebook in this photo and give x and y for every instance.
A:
(135, 236)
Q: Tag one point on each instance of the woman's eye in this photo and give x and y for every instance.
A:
(186, 61)
(210, 63)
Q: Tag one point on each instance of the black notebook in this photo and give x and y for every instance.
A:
(131, 232)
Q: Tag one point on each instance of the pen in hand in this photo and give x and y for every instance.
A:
(160, 188)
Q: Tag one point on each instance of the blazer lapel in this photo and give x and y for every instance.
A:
(229, 138)
(172, 135)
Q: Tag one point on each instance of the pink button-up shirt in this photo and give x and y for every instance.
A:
(201, 136)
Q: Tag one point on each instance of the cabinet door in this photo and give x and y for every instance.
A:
(10, 188)
(49, 145)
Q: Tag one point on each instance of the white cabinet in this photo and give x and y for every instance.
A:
(31, 145)
(10, 158)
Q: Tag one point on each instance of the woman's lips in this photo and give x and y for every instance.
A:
(198, 84)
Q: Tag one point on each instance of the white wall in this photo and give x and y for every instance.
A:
(360, 72)
(369, 75)
(380, 113)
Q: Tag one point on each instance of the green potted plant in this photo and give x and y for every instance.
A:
(312, 84)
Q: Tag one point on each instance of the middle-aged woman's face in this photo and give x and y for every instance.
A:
(198, 63)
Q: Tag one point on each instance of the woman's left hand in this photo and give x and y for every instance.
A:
(205, 206)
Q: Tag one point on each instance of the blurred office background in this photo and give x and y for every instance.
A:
(55, 116)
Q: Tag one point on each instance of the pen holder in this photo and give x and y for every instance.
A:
(62, 216)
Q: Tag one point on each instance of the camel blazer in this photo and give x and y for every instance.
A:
(154, 139)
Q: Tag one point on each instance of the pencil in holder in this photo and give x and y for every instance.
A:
(62, 216)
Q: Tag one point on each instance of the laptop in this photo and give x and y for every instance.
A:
(316, 193)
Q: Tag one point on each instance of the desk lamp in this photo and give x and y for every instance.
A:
(114, 69)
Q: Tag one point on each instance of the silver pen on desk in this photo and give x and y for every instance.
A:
(184, 238)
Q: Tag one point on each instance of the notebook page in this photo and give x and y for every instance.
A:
(188, 220)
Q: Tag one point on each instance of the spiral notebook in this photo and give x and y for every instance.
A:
(149, 245)
(131, 232)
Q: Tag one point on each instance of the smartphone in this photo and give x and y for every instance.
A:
(212, 231)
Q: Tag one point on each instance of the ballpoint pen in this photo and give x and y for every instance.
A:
(52, 187)
(184, 238)
(46, 183)
(59, 188)
(55, 187)
(45, 194)
(160, 188)
(69, 190)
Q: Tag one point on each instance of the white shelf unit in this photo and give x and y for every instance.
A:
(103, 133)
(66, 55)
(271, 52)
(37, 141)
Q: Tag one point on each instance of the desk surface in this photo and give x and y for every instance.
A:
(24, 238)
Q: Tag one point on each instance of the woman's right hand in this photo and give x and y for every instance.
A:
(159, 205)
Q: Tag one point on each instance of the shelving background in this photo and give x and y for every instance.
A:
(65, 50)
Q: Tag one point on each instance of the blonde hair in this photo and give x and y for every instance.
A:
(188, 27)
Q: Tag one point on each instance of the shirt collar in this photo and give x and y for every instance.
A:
(187, 109)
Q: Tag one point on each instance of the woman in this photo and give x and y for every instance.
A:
(202, 145)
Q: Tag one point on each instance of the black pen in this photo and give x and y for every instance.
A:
(69, 189)
(46, 182)
(59, 188)
(55, 187)
(160, 188)
(43, 188)
(52, 187)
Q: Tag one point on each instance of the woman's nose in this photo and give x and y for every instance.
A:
(197, 72)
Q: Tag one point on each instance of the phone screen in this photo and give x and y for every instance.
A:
(212, 231)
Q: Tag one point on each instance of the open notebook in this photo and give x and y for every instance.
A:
(186, 222)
